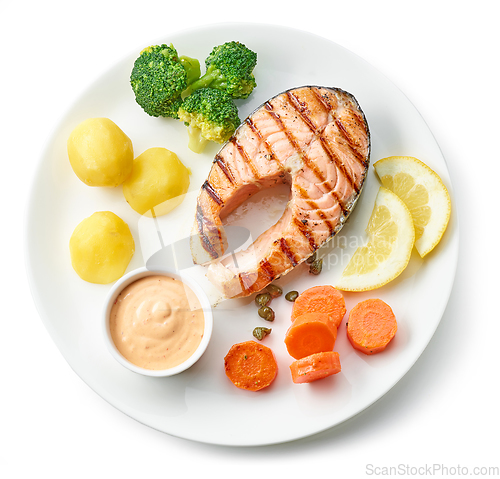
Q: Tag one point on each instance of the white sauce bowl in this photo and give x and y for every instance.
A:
(129, 278)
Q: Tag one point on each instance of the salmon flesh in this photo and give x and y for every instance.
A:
(316, 139)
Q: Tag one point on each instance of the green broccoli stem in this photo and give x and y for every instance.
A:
(196, 142)
(192, 67)
(211, 77)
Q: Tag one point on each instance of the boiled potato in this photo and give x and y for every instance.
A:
(101, 248)
(157, 183)
(100, 153)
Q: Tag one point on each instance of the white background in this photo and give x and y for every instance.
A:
(444, 56)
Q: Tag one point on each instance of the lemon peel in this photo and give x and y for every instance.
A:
(423, 192)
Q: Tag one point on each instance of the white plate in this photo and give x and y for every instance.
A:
(202, 404)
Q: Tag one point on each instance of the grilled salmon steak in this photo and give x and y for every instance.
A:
(317, 140)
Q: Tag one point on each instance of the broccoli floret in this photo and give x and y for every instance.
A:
(229, 68)
(159, 77)
(211, 116)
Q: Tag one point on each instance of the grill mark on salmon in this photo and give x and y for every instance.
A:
(309, 164)
(319, 143)
(247, 159)
(288, 252)
(243, 286)
(304, 230)
(258, 133)
(303, 194)
(299, 107)
(287, 132)
(314, 205)
(207, 244)
(322, 216)
(349, 139)
(211, 192)
(323, 100)
(224, 168)
(267, 269)
(335, 159)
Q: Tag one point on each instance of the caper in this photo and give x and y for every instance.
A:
(260, 333)
(262, 299)
(292, 296)
(265, 312)
(316, 266)
(274, 290)
(312, 258)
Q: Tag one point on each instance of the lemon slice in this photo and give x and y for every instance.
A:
(424, 194)
(386, 254)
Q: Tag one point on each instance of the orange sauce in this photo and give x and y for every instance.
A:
(157, 322)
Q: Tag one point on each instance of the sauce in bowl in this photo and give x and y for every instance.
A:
(157, 322)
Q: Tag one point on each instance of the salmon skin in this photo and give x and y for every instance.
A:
(317, 140)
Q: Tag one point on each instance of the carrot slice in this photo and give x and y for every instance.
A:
(310, 333)
(321, 299)
(250, 365)
(371, 326)
(314, 367)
